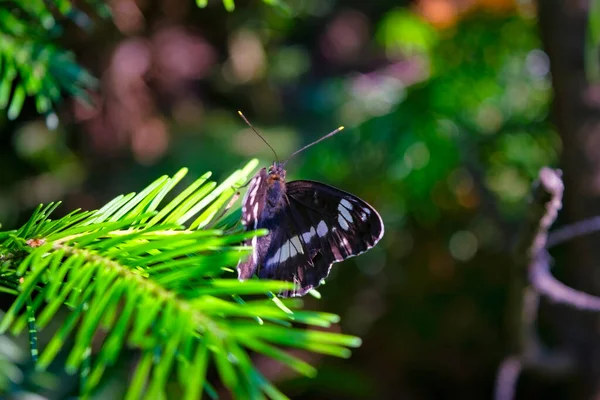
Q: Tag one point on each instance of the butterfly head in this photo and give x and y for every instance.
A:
(276, 173)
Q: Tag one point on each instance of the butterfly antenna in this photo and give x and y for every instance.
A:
(330, 134)
(259, 135)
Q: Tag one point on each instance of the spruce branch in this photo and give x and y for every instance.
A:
(135, 271)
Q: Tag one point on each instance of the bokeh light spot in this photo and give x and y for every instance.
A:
(33, 138)
(417, 155)
(149, 141)
(489, 118)
(345, 36)
(182, 55)
(52, 121)
(463, 245)
(289, 63)
(127, 16)
(537, 63)
(246, 57)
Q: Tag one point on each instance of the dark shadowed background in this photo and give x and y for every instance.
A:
(447, 109)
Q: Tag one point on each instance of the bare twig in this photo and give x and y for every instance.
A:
(531, 278)
(572, 231)
(556, 291)
(545, 202)
(507, 377)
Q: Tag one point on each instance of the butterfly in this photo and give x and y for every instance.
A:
(311, 226)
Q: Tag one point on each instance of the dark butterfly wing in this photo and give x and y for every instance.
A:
(320, 226)
(252, 207)
(287, 254)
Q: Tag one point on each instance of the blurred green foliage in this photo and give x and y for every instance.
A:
(592, 43)
(230, 4)
(31, 64)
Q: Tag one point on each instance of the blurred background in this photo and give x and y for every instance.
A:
(447, 109)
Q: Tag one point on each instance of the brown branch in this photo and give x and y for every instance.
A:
(572, 231)
(507, 377)
(532, 278)
(545, 202)
(528, 351)
(556, 291)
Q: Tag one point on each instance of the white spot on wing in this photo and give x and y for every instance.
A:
(296, 245)
(345, 213)
(255, 212)
(307, 236)
(322, 229)
(255, 189)
(289, 249)
(254, 251)
(346, 203)
(366, 210)
(343, 223)
(347, 245)
(363, 216)
(285, 252)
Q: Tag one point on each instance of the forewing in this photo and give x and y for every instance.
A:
(252, 208)
(320, 226)
(341, 220)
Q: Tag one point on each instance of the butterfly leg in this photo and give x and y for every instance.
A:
(246, 184)
(296, 283)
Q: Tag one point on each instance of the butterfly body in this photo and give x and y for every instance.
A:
(275, 187)
(311, 226)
